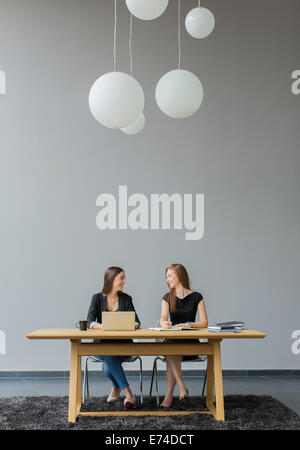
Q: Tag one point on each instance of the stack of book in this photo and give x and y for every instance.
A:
(226, 327)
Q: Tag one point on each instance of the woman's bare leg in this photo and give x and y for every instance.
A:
(171, 382)
(173, 376)
(176, 368)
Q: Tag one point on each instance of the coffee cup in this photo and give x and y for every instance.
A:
(82, 325)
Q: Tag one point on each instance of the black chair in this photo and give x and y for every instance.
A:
(85, 390)
(163, 359)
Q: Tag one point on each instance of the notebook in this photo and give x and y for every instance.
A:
(174, 329)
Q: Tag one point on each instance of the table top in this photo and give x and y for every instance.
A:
(142, 333)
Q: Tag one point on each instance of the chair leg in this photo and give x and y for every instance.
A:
(141, 380)
(150, 394)
(87, 379)
(84, 381)
(204, 382)
(156, 383)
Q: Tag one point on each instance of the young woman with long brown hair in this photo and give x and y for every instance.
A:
(182, 305)
(112, 298)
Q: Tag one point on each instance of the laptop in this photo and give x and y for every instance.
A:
(118, 321)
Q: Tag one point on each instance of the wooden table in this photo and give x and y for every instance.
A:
(211, 348)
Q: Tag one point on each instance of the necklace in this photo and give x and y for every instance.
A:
(112, 304)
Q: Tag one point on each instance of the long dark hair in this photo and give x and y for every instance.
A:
(109, 276)
(183, 278)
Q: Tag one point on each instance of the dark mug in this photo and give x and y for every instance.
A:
(83, 325)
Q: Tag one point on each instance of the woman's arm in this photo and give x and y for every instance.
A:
(202, 317)
(165, 310)
(92, 315)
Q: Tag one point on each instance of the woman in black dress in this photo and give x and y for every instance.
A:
(112, 298)
(182, 304)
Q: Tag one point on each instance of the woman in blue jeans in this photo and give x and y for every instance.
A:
(112, 298)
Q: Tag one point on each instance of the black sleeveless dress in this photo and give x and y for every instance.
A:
(185, 311)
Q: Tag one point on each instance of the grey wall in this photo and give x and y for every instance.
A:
(241, 149)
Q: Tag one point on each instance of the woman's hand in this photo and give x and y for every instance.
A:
(97, 326)
(166, 324)
(183, 325)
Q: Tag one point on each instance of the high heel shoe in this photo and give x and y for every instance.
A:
(184, 397)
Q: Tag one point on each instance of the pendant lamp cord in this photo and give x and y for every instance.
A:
(130, 43)
(198, 3)
(115, 38)
(179, 37)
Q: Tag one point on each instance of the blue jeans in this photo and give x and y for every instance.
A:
(112, 368)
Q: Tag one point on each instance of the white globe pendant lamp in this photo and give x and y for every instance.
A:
(200, 22)
(116, 100)
(179, 93)
(147, 9)
(136, 127)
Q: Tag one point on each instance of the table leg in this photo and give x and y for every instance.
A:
(79, 386)
(220, 415)
(75, 382)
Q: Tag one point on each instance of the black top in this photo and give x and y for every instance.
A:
(186, 308)
(98, 305)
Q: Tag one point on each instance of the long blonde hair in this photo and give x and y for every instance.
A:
(183, 278)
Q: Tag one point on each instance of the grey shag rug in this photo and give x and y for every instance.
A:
(242, 412)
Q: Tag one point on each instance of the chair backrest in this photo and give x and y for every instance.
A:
(94, 359)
